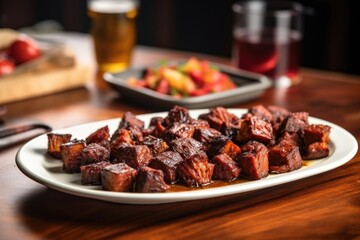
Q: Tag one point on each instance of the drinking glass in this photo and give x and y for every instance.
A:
(267, 39)
(113, 32)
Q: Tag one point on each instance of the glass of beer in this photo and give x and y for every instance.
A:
(267, 39)
(114, 32)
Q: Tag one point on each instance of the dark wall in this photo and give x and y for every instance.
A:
(331, 33)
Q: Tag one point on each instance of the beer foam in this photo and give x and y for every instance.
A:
(119, 6)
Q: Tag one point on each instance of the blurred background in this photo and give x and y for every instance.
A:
(331, 30)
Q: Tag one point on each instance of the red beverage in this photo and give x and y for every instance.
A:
(274, 54)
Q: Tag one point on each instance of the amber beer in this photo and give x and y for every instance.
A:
(113, 31)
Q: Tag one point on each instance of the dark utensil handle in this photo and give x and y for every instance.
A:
(24, 128)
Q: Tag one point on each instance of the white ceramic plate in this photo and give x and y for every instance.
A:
(33, 161)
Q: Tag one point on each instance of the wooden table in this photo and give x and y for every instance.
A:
(322, 206)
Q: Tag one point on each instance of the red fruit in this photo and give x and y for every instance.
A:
(163, 87)
(23, 50)
(6, 67)
(197, 76)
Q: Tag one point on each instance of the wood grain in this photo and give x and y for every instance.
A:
(325, 206)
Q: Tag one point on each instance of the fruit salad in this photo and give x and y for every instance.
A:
(190, 79)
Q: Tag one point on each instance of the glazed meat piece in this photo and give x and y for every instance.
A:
(261, 112)
(158, 130)
(196, 171)
(186, 146)
(221, 145)
(155, 120)
(279, 114)
(136, 133)
(205, 136)
(118, 178)
(91, 173)
(130, 119)
(294, 123)
(217, 116)
(253, 128)
(167, 162)
(71, 155)
(99, 136)
(316, 150)
(177, 115)
(54, 142)
(133, 155)
(225, 168)
(230, 129)
(94, 153)
(316, 133)
(178, 130)
(292, 139)
(156, 145)
(254, 162)
(150, 180)
(121, 136)
(199, 123)
(284, 157)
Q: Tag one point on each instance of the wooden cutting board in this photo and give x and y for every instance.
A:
(56, 70)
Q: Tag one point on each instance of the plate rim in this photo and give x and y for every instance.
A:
(198, 194)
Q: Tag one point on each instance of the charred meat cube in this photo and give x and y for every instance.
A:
(217, 116)
(158, 130)
(253, 128)
(284, 157)
(167, 162)
(178, 130)
(156, 145)
(230, 129)
(196, 170)
(206, 135)
(278, 113)
(225, 168)
(118, 178)
(294, 123)
(54, 142)
(186, 147)
(316, 150)
(130, 119)
(71, 155)
(99, 136)
(121, 136)
(155, 120)
(134, 156)
(221, 145)
(254, 162)
(94, 153)
(261, 112)
(199, 123)
(136, 133)
(150, 180)
(291, 138)
(177, 115)
(91, 173)
(316, 133)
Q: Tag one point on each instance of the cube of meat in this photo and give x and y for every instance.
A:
(155, 120)
(168, 163)
(136, 133)
(156, 145)
(253, 128)
(261, 112)
(284, 157)
(54, 142)
(134, 156)
(91, 173)
(196, 171)
(118, 178)
(71, 155)
(205, 136)
(121, 136)
(316, 150)
(230, 129)
(177, 115)
(130, 119)
(254, 162)
(186, 146)
(158, 130)
(150, 180)
(199, 123)
(94, 153)
(225, 168)
(279, 114)
(217, 116)
(221, 145)
(292, 138)
(316, 133)
(294, 123)
(178, 130)
(99, 136)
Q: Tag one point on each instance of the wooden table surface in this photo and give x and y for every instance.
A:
(323, 206)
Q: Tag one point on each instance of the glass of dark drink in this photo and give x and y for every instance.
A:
(267, 39)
